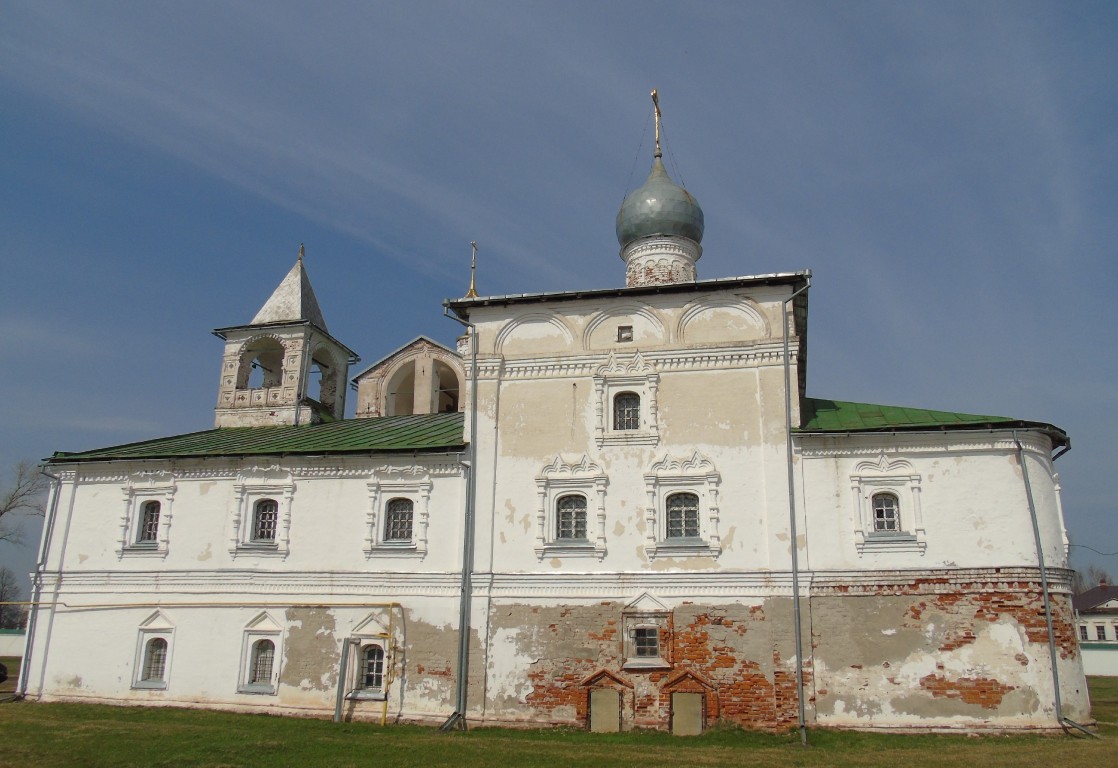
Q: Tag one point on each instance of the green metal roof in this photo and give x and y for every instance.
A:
(426, 432)
(838, 416)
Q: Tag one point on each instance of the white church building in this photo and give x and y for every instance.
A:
(614, 508)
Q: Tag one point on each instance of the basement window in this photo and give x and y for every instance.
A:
(643, 646)
(370, 678)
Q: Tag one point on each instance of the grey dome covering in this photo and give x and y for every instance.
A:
(660, 207)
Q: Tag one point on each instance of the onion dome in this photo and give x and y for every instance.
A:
(659, 208)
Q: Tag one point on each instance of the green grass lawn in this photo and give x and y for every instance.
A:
(45, 735)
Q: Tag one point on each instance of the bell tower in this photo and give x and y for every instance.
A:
(284, 367)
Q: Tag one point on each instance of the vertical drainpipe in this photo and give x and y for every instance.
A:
(1060, 719)
(458, 719)
(343, 676)
(37, 583)
(792, 511)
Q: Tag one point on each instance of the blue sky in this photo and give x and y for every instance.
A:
(947, 170)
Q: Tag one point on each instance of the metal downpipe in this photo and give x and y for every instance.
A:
(37, 584)
(1052, 659)
(792, 515)
(458, 719)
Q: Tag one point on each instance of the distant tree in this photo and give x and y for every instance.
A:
(1089, 579)
(11, 616)
(24, 496)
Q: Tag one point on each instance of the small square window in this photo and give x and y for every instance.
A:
(624, 333)
(646, 642)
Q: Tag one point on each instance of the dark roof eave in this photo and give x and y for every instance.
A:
(461, 307)
(1058, 436)
(65, 458)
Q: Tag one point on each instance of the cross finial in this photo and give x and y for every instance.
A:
(302, 251)
(472, 293)
(656, 106)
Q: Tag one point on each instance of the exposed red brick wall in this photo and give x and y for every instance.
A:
(983, 691)
(738, 656)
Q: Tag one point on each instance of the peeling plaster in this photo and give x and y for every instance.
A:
(311, 651)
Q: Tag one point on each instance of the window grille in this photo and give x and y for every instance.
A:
(570, 519)
(646, 642)
(683, 516)
(263, 652)
(264, 520)
(627, 411)
(885, 518)
(149, 524)
(398, 520)
(372, 668)
(155, 660)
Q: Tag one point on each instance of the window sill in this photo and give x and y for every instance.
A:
(362, 695)
(150, 685)
(629, 438)
(687, 547)
(572, 548)
(259, 549)
(143, 550)
(646, 665)
(890, 543)
(258, 690)
(395, 549)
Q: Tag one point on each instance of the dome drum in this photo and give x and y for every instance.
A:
(660, 261)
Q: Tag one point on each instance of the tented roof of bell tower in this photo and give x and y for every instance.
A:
(292, 301)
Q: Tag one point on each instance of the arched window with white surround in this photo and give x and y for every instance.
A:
(148, 496)
(570, 517)
(155, 660)
(261, 653)
(625, 401)
(571, 509)
(886, 513)
(626, 411)
(371, 675)
(263, 657)
(149, 523)
(683, 516)
(265, 516)
(153, 653)
(399, 515)
(886, 495)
